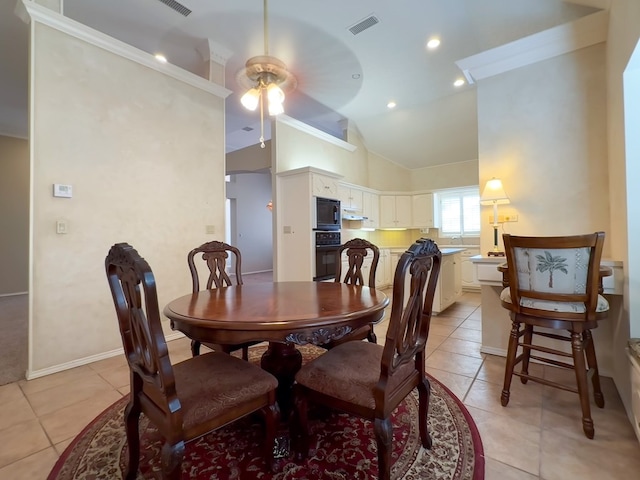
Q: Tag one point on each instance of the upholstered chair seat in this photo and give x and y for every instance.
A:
(370, 380)
(553, 285)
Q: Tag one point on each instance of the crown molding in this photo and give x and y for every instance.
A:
(581, 33)
(80, 31)
(210, 50)
(303, 127)
(602, 4)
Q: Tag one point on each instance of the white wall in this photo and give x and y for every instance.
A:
(144, 153)
(253, 221)
(14, 212)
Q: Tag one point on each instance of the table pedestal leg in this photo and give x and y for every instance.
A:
(283, 361)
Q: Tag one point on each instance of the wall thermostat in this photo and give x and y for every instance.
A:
(64, 191)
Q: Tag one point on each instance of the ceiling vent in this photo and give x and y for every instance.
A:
(178, 7)
(362, 25)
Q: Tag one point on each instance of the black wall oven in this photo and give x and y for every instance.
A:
(327, 214)
(326, 245)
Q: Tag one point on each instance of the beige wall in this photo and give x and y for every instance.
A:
(14, 212)
(296, 149)
(249, 159)
(459, 174)
(542, 130)
(144, 153)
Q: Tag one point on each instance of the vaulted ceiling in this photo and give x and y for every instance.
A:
(342, 77)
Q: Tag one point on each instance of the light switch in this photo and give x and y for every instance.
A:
(210, 229)
(62, 227)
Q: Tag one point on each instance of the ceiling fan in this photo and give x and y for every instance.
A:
(266, 79)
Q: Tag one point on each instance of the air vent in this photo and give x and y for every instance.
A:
(362, 25)
(247, 129)
(178, 7)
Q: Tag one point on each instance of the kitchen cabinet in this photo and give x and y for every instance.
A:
(449, 287)
(395, 211)
(350, 198)
(423, 211)
(384, 277)
(324, 186)
(370, 209)
(295, 217)
(468, 269)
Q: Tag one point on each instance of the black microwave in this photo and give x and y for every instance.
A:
(327, 214)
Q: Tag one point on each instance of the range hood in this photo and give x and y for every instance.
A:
(353, 216)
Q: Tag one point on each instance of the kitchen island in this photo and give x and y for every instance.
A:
(449, 287)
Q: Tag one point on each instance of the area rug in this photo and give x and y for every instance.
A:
(342, 446)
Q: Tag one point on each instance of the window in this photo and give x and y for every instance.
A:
(460, 212)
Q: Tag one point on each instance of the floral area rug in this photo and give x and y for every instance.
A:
(342, 446)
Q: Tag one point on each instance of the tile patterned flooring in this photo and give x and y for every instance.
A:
(538, 436)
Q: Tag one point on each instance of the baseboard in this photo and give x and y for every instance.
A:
(31, 375)
(13, 294)
(500, 352)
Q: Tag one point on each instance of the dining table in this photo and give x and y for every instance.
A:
(285, 314)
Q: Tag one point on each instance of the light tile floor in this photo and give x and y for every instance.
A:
(538, 436)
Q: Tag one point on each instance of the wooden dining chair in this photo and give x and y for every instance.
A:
(355, 251)
(553, 284)
(190, 398)
(371, 380)
(215, 255)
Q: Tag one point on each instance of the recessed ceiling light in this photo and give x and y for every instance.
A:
(161, 58)
(433, 43)
(391, 104)
(458, 83)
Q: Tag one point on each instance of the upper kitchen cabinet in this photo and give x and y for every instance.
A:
(324, 186)
(424, 211)
(350, 198)
(370, 209)
(396, 211)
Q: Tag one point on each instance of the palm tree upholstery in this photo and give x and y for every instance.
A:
(186, 400)
(370, 380)
(553, 284)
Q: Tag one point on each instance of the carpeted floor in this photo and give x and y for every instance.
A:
(342, 446)
(14, 339)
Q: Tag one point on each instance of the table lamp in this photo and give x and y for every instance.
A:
(493, 194)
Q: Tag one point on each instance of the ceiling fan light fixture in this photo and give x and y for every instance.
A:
(250, 99)
(275, 109)
(274, 94)
(266, 79)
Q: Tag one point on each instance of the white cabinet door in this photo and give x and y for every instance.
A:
(404, 209)
(350, 198)
(383, 273)
(423, 210)
(323, 186)
(371, 210)
(395, 211)
(468, 269)
(449, 286)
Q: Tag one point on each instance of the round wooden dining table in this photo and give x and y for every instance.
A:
(285, 314)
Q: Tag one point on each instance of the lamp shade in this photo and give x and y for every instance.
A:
(493, 193)
(250, 99)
